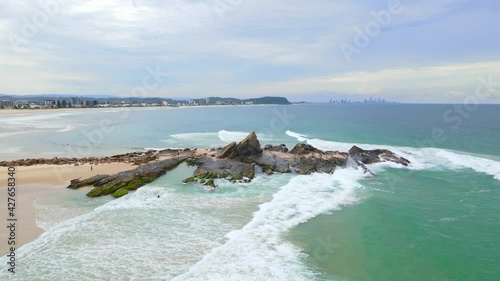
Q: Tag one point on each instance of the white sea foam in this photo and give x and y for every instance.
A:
(420, 158)
(136, 237)
(37, 122)
(12, 133)
(257, 251)
(298, 136)
(212, 138)
(67, 129)
(12, 149)
(188, 136)
(229, 136)
(233, 136)
(185, 236)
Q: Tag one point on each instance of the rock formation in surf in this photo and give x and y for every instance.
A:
(237, 162)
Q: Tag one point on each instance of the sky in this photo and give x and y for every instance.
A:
(423, 51)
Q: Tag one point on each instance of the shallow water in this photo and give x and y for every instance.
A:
(436, 220)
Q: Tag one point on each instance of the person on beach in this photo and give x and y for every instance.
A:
(91, 168)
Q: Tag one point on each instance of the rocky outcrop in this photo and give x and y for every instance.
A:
(232, 162)
(236, 162)
(376, 156)
(303, 159)
(210, 168)
(277, 148)
(272, 161)
(304, 149)
(227, 151)
(250, 146)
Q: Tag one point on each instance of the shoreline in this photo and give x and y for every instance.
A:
(118, 109)
(42, 181)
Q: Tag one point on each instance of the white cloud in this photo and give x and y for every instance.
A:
(105, 45)
(443, 78)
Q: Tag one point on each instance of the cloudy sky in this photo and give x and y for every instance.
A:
(408, 50)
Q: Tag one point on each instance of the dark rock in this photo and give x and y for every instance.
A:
(277, 162)
(268, 171)
(376, 156)
(358, 164)
(250, 146)
(210, 168)
(228, 150)
(304, 149)
(77, 183)
(277, 148)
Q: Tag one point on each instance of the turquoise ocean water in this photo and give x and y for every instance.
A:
(436, 220)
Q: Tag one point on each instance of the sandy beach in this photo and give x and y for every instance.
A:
(36, 182)
(33, 111)
(58, 110)
(55, 110)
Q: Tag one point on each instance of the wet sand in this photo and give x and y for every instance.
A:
(37, 182)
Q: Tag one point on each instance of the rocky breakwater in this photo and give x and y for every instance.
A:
(137, 158)
(120, 184)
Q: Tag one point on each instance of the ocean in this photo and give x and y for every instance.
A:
(438, 219)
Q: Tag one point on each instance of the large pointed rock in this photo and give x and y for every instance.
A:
(248, 147)
(227, 151)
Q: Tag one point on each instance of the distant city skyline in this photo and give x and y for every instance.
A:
(420, 51)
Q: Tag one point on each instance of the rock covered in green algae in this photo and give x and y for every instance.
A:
(210, 183)
(132, 179)
(120, 192)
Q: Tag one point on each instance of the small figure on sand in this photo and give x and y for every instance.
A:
(91, 168)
